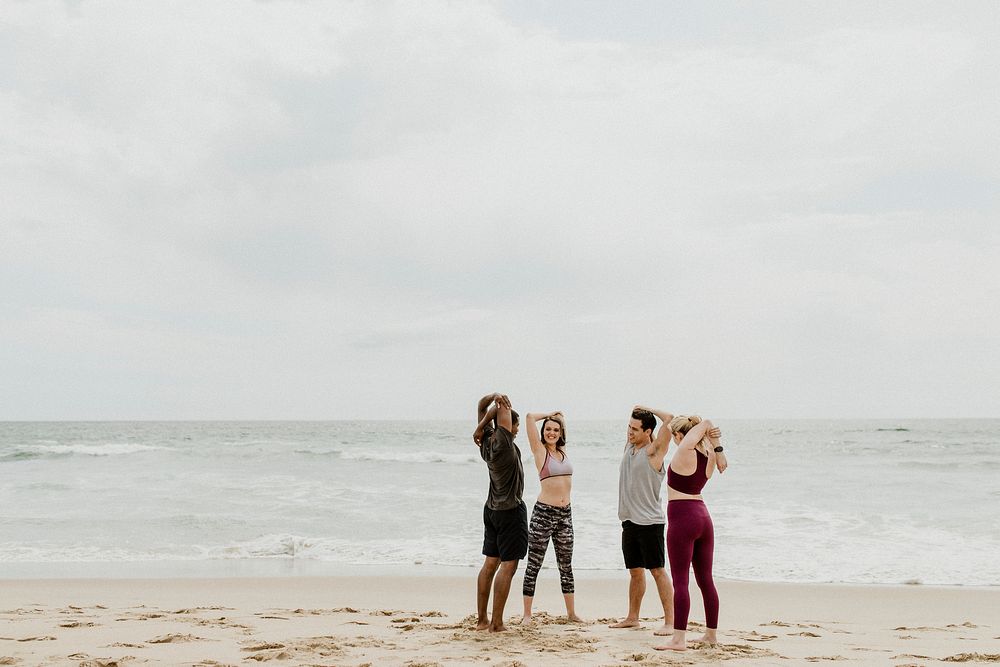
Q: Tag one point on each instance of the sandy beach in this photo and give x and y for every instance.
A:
(427, 620)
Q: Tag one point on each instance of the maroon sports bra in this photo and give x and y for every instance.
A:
(690, 484)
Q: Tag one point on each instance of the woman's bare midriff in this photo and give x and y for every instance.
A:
(673, 494)
(555, 490)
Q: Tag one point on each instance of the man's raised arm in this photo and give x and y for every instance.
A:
(505, 419)
(661, 441)
(486, 419)
(484, 404)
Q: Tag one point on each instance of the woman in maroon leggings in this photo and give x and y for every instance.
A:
(690, 534)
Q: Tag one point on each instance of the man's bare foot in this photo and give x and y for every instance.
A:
(664, 631)
(627, 623)
(672, 646)
(498, 628)
(573, 618)
(482, 624)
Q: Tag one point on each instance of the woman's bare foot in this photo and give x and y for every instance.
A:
(664, 631)
(676, 643)
(671, 646)
(526, 620)
(627, 623)
(573, 618)
(708, 638)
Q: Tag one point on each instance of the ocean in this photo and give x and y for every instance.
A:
(870, 502)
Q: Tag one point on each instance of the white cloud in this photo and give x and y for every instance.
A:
(363, 209)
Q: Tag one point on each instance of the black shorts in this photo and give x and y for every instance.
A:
(506, 533)
(643, 546)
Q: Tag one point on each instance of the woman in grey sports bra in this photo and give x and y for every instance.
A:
(552, 517)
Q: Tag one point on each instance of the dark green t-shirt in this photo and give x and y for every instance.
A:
(506, 473)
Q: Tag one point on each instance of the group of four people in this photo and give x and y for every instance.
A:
(689, 539)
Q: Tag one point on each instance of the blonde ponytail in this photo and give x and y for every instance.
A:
(682, 424)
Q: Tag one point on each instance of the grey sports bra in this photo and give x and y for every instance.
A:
(553, 467)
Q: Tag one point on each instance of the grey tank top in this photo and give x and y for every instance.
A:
(639, 488)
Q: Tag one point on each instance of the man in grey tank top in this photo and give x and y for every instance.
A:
(505, 518)
(640, 479)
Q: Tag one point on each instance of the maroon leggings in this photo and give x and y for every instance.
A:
(691, 541)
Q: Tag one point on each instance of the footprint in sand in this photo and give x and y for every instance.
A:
(734, 651)
(87, 661)
(221, 622)
(973, 657)
(824, 658)
(783, 624)
(21, 611)
(195, 610)
(447, 626)
(264, 647)
(361, 641)
(175, 639)
(634, 657)
(391, 612)
(754, 636)
(303, 648)
(77, 624)
(572, 642)
(141, 617)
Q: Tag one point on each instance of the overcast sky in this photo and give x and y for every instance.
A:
(315, 210)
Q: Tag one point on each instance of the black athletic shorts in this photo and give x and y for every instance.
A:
(643, 546)
(506, 533)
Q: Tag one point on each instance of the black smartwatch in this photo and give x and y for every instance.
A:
(717, 449)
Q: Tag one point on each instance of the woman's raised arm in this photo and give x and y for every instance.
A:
(534, 440)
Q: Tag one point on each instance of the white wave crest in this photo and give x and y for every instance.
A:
(411, 457)
(103, 449)
(271, 546)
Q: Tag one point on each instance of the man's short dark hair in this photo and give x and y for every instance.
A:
(647, 419)
(514, 419)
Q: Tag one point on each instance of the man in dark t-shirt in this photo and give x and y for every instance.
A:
(505, 518)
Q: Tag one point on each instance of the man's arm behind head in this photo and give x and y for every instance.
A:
(505, 419)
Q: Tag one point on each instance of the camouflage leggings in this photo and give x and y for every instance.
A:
(556, 523)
